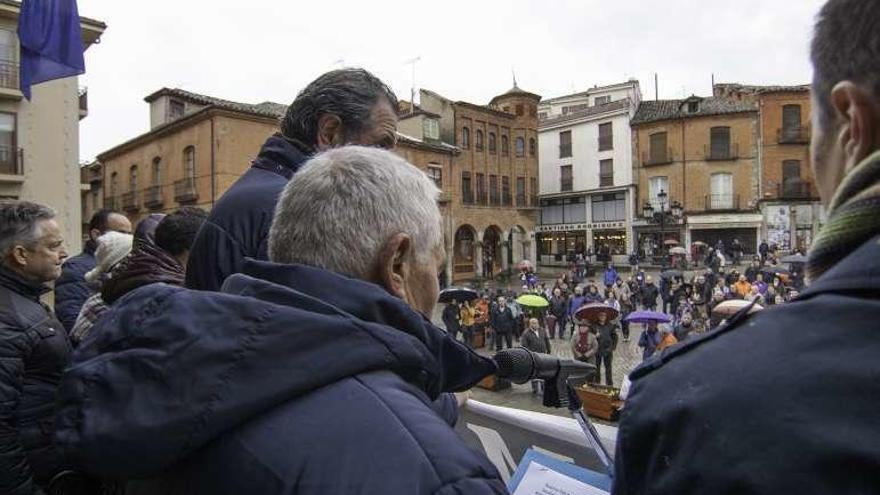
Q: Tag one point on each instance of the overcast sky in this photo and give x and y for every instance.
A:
(260, 50)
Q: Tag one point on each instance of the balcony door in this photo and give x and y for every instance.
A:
(8, 59)
(791, 178)
(8, 153)
(721, 187)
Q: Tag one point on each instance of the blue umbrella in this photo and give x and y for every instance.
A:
(646, 316)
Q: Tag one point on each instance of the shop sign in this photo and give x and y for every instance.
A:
(581, 226)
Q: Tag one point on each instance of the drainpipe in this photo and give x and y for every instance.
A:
(213, 171)
(685, 241)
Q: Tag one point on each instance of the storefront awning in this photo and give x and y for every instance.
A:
(725, 221)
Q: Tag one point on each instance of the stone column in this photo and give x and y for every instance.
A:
(478, 259)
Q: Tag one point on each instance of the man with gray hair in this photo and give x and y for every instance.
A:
(318, 372)
(33, 346)
(346, 106)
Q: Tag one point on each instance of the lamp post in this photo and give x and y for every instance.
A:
(661, 217)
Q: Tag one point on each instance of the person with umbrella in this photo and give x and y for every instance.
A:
(574, 304)
(585, 345)
(650, 339)
(467, 318)
(452, 319)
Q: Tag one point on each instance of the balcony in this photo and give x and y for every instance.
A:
(130, 201)
(795, 190)
(720, 153)
(185, 190)
(9, 83)
(657, 158)
(722, 202)
(153, 197)
(11, 161)
(83, 102)
(444, 197)
(793, 135)
(565, 150)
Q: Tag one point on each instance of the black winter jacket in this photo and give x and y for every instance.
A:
(71, 288)
(33, 353)
(238, 225)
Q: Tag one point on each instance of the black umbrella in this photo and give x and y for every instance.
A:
(671, 274)
(457, 294)
(794, 258)
(775, 270)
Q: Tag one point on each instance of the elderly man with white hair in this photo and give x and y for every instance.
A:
(317, 372)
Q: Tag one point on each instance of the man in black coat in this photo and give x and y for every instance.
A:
(503, 323)
(452, 319)
(650, 293)
(785, 401)
(71, 289)
(33, 346)
(346, 106)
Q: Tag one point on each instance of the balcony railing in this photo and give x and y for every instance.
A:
(606, 143)
(795, 190)
(565, 150)
(185, 190)
(11, 160)
(9, 75)
(657, 158)
(793, 135)
(153, 197)
(721, 154)
(722, 202)
(130, 201)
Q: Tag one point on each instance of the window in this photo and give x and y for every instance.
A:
(520, 191)
(8, 150)
(565, 144)
(481, 189)
(533, 191)
(519, 110)
(520, 147)
(431, 128)
(506, 200)
(791, 117)
(494, 199)
(719, 143)
(467, 191)
(609, 207)
(656, 185)
(505, 145)
(176, 109)
(542, 115)
(8, 59)
(492, 143)
(189, 162)
(721, 187)
(574, 108)
(565, 178)
(551, 211)
(606, 173)
(157, 171)
(693, 106)
(791, 178)
(659, 153)
(114, 184)
(574, 210)
(435, 173)
(601, 100)
(606, 138)
(532, 146)
(465, 138)
(478, 140)
(133, 178)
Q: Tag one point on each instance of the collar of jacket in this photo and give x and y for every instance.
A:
(282, 155)
(858, 271)
(20, 285)
(450, 367)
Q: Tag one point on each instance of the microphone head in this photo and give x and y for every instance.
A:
(517, 365)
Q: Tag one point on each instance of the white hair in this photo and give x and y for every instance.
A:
(343, 205)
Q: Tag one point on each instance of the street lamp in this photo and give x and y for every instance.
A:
(661, 217)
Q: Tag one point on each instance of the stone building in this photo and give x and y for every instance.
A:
(703, 154)
(789, 200)
(39, 139)
(197, 146)
(587, 188)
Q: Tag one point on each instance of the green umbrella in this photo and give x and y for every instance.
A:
(532, 301)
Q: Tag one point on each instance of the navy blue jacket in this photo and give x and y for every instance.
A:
(71, 288)
(238, 225)
(784, 401)
(293, 380)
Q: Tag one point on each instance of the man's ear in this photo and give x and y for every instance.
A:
(19, 255)
(859, 133)
(330, 132)
(391, 265)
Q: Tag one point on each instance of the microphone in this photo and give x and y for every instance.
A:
(521, 365)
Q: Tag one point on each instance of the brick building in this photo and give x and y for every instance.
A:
(789, 200)
(703, 154)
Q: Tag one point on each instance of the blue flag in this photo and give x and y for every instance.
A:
(51, 42)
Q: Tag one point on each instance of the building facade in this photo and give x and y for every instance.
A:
(587, 187)
(196, 148)
(39, 139)
(701, 153)
(789, 200)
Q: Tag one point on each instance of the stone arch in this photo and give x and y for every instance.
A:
(492, 256)
(464, 252)
(518, 245)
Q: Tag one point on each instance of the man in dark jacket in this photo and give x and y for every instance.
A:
(503, 323)
(452, 319)
(293, 379)
(650, 294)
(798, 415)
(71, 289)
(346, 106)
(33, 346)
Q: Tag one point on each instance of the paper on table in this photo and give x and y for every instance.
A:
(541, 480)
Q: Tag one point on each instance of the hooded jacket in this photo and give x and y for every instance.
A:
(292, 380)
(146, 264)
(238, 225)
